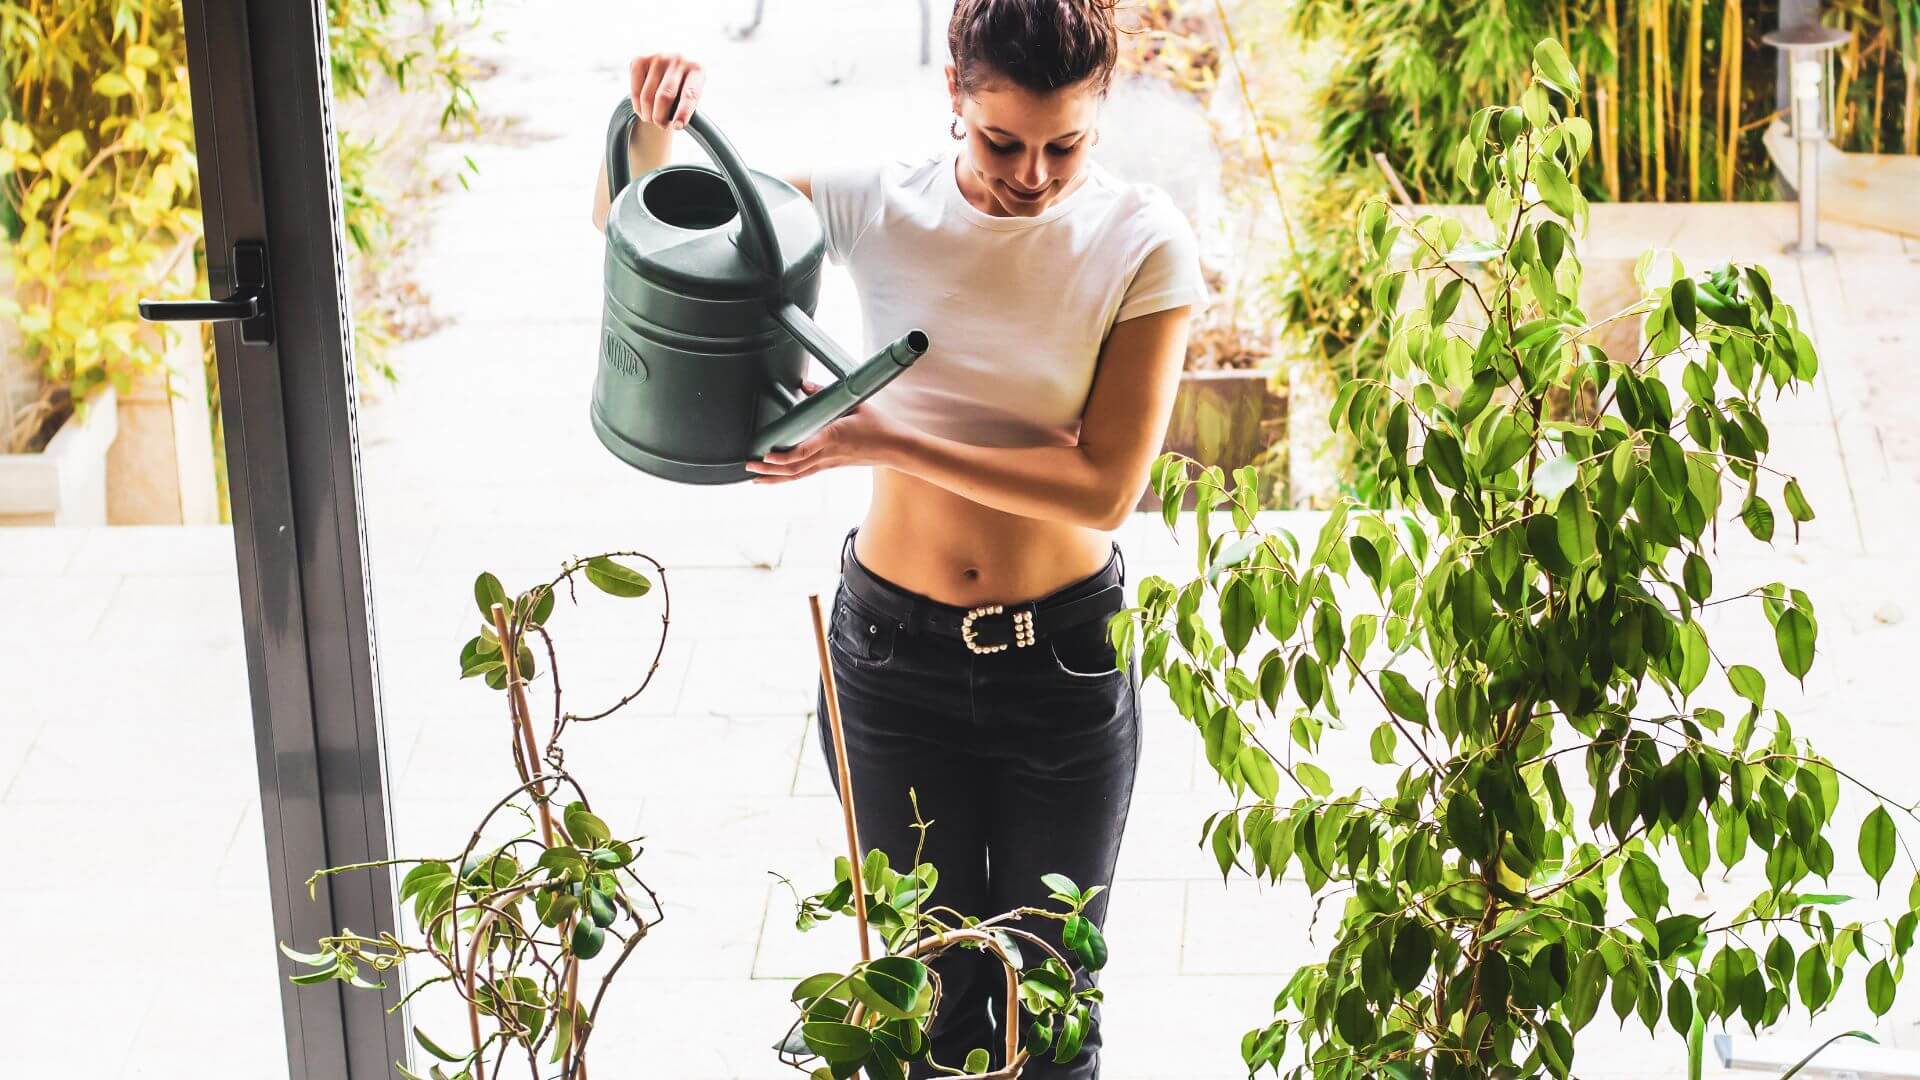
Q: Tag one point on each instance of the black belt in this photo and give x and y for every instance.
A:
(985, 629)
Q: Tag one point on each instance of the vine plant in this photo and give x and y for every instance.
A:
(512, 928)
(1546, 769)
(876, 1016)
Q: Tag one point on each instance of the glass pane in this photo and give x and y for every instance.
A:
(130, 835)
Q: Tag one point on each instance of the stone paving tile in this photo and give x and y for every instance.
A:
(60, 609)
(185, 608)
(48, 1003)
(161, 756)
(96, 846)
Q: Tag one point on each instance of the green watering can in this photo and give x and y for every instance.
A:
(707, 324)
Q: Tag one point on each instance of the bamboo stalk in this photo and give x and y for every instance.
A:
(1909, 32)
(1879, 100)
(1662, 96)
(1843, 84)
(1734, 34)
(1910, 113)
(1694, 77)
(1642, 36)
(1609, 97)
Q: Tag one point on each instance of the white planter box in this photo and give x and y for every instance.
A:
(65, 484)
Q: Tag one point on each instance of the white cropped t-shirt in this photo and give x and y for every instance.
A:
(1016, 308)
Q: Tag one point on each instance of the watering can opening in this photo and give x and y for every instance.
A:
(690, 197)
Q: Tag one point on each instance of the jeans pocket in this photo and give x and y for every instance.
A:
(1085, 651)
(858, 635)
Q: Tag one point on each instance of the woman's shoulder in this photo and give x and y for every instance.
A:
(1142, 207)
(882, 171)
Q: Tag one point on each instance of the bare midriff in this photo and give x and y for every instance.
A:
(956, 551)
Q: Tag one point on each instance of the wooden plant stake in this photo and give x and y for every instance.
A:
(846, 780)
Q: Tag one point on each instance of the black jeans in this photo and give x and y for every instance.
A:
(1023, 762)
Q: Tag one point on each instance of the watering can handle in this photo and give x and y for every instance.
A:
(761, 244)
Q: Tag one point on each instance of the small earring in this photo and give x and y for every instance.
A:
(954, 128)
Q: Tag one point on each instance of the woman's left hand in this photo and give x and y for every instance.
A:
(861, 437)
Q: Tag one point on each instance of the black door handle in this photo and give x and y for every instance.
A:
(250, 302)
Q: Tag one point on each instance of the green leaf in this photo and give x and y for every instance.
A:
(1411, 956)
(1550, 64)
(1313, 778)
(1876, 844)
(1465, 826)
(1681, 296)
(1793, 634)
(615, 579)
(1802, 1063)
(1555, 189)
(1382, 744)
(1797, 502)
(1553, 477)
(1758, 517)
(588, 939)
(1642, 887)
(1061, 884)
(897, 981)
(487, 592)
(1073, 1031)
(835, 1041)
(585, 827)
(1880, 988)
(1405, 702)
(1669, 464)
(433, 1048)
(1086, 941)
(1748, 683)
(1583, 989)
(1257, 768)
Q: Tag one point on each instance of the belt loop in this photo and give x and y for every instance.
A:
(1123, 560)
(846, 542)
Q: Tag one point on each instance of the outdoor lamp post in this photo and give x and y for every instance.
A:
(1806, 49)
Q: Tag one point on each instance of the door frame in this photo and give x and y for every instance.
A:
(263, 128)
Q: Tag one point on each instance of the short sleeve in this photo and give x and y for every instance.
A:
(1169, 275)
(846, 197)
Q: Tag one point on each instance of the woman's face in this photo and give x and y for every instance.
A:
(1025, 148)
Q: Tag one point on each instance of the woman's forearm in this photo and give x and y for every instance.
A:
(1053, 483)
(648, 147)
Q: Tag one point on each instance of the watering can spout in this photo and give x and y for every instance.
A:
(855, 384)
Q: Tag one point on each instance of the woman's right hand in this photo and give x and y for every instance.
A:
(666, 89)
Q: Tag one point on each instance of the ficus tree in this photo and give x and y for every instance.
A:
(1523, 628)
(511, 921)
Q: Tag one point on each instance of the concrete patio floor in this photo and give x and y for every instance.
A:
(129, 818)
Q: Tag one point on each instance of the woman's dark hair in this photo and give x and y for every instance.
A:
(1040, 45)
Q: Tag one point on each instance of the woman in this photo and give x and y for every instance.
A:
(968, 632)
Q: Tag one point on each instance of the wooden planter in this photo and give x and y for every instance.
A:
(1231, 417)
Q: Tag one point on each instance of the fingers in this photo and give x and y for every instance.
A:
(643, 75)
(690, 88)
(665, 88)
(660, 102)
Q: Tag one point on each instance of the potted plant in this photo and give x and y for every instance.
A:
(875, 1016)
(512, 921)
(1547, 770)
